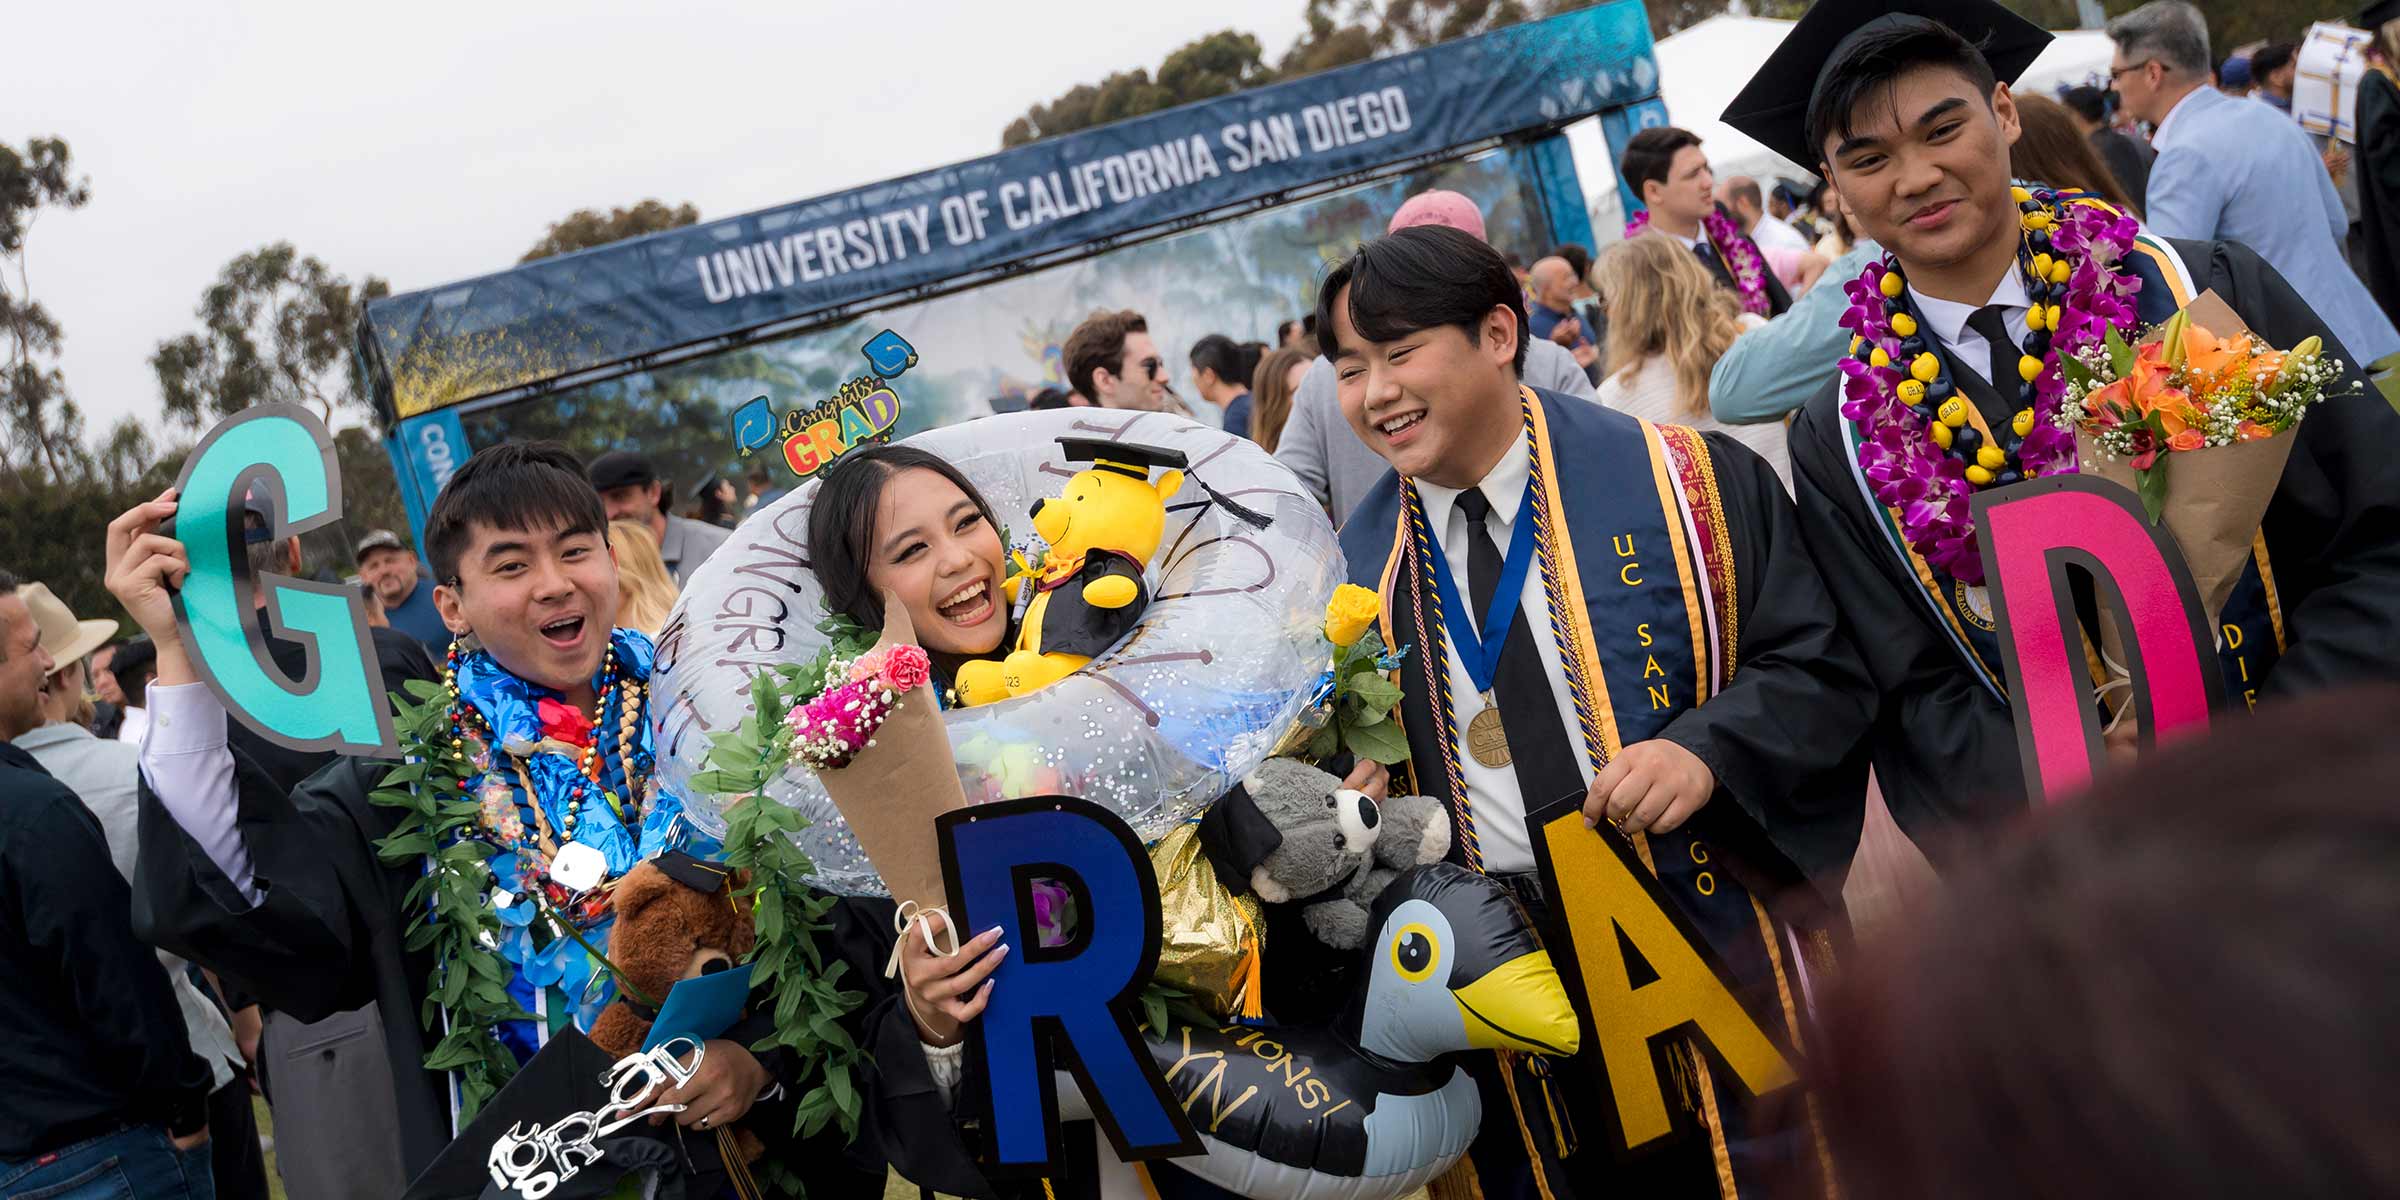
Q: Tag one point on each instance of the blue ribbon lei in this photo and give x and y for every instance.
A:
(557, 977)
(1481, 652)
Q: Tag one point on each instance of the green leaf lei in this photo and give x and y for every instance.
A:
(469, 981)
(759, 839)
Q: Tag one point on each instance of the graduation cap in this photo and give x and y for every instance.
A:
(1773, 107)
(568, 1077)
(1137, 461)
(1124, 458)
(700, 875)
(2374, 16)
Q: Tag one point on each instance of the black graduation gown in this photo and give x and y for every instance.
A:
(1945, 749)
(2375, 163)
(1783, 739)
(327, 938)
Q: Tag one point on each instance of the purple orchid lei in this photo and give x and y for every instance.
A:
(1904, 466)
(1740, 255)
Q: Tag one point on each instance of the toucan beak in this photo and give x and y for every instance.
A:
(1520, 1005)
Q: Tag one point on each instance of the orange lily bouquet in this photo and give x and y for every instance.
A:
(2193, 420)
(2189, 387)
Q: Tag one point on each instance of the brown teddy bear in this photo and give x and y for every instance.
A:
(678, 917)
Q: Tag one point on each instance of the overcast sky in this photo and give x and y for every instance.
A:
(432, 141)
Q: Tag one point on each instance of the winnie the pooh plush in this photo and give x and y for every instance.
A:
(1102, 529)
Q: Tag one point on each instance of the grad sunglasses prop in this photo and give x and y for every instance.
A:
(2031, 533)
(280, 453)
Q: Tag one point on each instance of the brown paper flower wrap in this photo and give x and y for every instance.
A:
(892, 790)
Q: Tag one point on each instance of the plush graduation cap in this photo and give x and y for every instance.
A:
(1137, 460)
(700, 875)
(567, 1077)
(1124, 458)
(1773, 108)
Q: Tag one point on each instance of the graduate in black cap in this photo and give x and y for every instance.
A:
(1906, 109)
(2376, 160)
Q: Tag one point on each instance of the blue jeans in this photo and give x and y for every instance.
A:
(138, 1163)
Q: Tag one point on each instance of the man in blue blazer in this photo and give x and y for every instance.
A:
(2233, 170)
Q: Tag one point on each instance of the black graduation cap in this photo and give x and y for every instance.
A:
(1773, 108)
(568, 1076)
(700, 875)
(2373, 16)
(1125, 458)
(1137, 460)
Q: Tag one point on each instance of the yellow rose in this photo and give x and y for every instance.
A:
(1348, 614)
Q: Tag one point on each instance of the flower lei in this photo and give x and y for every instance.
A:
(1740, 255)
(481, 873)
(1925, 464)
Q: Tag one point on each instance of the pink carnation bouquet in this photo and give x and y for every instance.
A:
(829, 729)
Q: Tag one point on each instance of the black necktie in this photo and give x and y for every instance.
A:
(1540, 753)
(1991, 321)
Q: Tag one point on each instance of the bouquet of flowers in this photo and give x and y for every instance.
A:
(863, 718)
(1353, 704)
(825, 731)
(2193, 420)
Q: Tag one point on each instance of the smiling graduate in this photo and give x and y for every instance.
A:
(1604, 609)
(1906, 110)
(300, 897)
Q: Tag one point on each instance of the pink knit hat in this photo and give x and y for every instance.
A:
(1440, 208)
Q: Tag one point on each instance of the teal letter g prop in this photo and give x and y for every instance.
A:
(282, 454)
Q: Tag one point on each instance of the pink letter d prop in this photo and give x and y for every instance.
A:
(2031, 532)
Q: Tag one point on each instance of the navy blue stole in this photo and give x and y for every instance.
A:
(1637, 565)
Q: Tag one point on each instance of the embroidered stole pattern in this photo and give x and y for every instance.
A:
(1645, 630)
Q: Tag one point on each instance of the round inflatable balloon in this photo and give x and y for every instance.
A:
(1155, 729)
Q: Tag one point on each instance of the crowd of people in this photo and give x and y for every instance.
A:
(192, 914)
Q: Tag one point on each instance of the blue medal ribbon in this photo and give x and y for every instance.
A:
(1481, 652)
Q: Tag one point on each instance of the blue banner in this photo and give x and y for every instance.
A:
(1079, 192)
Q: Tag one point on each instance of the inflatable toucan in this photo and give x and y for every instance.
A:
(1365, 1109)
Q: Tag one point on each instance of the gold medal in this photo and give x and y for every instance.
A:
(1486, 739)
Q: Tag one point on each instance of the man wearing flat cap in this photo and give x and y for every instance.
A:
(1905, 109)
(631, 490)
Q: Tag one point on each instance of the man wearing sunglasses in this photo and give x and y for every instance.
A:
(1112, 362)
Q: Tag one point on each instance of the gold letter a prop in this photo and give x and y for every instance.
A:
(1609, 900)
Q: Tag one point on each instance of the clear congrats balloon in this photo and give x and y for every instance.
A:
(1155, 729)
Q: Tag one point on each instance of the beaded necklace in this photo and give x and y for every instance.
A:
(1919, 451)
(614, 688)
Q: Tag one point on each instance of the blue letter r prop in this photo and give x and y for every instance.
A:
(280, 452)
(1077, 997)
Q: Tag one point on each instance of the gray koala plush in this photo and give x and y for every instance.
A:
(1301, 836)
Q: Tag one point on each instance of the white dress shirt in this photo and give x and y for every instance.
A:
(1966, 349)
(191, 770)
(1775, 233)
(1496, 801)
